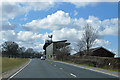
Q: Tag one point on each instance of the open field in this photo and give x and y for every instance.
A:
(12, 63)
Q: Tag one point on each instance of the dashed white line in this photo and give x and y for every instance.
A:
(73, 75)
(61, 68)
(116, 75)
(19, 70)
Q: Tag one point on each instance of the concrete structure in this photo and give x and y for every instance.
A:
(51, 50)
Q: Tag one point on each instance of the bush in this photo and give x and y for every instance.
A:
(101, 62)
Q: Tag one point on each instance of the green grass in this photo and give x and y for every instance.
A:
(85, 65)
(12, 63)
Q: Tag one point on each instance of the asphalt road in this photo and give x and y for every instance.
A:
(49, 69)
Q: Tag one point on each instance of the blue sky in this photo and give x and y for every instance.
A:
(29, 23)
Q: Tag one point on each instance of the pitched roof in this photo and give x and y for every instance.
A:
(94, 49)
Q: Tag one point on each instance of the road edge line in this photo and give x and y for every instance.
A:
(19, 70)
(89, 69)
(73, 75)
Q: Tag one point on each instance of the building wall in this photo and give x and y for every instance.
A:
(49, 51)
(53, 49)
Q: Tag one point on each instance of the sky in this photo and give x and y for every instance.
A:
(30, 23)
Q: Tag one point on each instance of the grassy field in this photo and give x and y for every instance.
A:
(12, 63)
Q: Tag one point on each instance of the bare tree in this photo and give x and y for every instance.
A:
(89, 37)
(63, 53)
(80, 47)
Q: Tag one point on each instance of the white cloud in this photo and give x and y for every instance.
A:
(63, 26)
(30, 39)
(17, 8)
(8, 35)
(25, 35)
(79, 23)
(72, 35)
(23, 38)
(110, 27)
(9, 11)
(105, 27)
(60, 19)
(54, 21)
(38, 5)
(12, 9)
(100, 42)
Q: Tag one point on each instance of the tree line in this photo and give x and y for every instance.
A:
(12, 49)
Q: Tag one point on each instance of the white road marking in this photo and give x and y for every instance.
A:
(19, 70)
(98, 71)
(73, 75)
(61, 68)
(90, 69)
(54, 65)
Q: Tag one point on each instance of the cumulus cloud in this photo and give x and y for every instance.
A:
(54, 21)
(25, 35)
(17, 8)
(64, 27)
(60, 19)
(9, 11)
(12, 9)
(60, 23)
(110, 27)
(72, 35)
(28, 38)
(23, 38)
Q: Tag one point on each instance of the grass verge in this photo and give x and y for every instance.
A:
(9, 64)
(85, 65)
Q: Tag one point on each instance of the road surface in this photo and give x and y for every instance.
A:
(50, 69)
